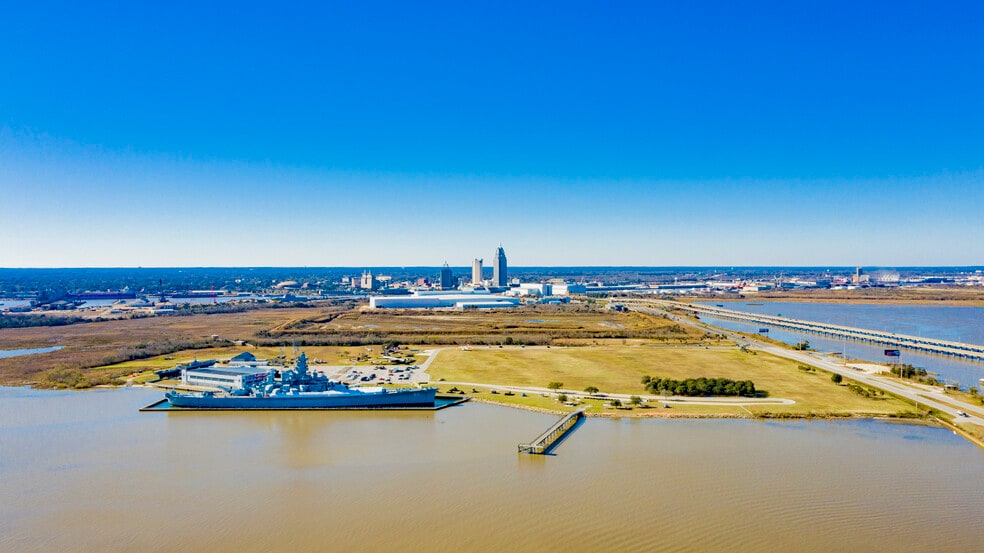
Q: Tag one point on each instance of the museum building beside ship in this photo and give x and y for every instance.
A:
(242, 372)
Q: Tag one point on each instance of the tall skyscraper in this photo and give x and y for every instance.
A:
(368, 281)
(476, 272)
(499, 275)
(447, 279)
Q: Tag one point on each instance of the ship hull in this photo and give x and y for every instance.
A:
(317, 400)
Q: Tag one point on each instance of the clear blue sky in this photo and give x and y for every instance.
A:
(785, 133)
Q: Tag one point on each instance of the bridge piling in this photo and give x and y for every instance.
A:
(929, 345)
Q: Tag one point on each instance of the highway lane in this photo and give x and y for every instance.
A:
(933, 399)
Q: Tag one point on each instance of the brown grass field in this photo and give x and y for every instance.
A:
(101, 343)
(120, 347)
(619, 369)
(531, 325)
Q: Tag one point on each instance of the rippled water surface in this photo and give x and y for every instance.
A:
(86, 471)
(959, 324)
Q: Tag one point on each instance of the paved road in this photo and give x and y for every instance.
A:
(720, 401)
(914, 393)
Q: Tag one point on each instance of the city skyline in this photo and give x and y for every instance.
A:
(385, 135)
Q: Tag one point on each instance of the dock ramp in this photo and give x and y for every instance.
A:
(558, 430)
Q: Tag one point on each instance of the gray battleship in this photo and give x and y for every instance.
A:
(298, 388)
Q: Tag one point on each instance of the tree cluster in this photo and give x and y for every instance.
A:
(700, 386)
(908, 371)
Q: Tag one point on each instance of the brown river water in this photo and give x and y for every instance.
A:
(85, 471)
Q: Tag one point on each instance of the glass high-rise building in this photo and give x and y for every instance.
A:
(447, 279)
(499, 274)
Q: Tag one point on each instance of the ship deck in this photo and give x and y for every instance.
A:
(440, 402)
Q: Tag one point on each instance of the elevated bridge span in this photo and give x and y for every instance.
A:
(899, 341)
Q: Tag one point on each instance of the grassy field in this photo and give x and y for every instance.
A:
(615, 369)
(531, 324)
(101, 352)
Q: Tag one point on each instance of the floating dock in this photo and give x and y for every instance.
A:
(544, 442)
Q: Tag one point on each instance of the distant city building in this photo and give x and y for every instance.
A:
(568, 289)
(447, 279)
(477, 272)
(500, 276)
(531, 289)
(368, 281)
(859, 277)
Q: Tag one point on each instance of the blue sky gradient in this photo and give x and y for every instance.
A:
(573, 133)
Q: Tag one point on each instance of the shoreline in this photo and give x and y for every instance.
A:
(640, 413)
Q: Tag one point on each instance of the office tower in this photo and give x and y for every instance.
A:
(477, 272)
(447, 279)
(499, 276)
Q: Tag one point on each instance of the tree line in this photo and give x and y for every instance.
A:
(700, 387)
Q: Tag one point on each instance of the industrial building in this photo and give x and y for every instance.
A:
(568, 289)
(531, 289)
(459, 300)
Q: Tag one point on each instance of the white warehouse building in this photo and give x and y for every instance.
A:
(234, 378)
(242, 371)
(460, 300)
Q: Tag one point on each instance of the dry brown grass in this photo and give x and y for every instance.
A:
(100, 343)
(533, 324)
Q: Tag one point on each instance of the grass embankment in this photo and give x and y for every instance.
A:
(615, 369)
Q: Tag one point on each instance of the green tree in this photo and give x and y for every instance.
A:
(616, 403)
(836, 378)
(591, 390)
(562, 398)
(555, 385)
(635, 400)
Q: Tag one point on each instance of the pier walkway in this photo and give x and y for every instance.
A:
(916, 343)
(545, 441)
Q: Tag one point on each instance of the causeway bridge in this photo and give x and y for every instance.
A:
(899, 341)
(558, 430)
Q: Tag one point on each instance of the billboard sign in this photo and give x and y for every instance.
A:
(893, 353)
